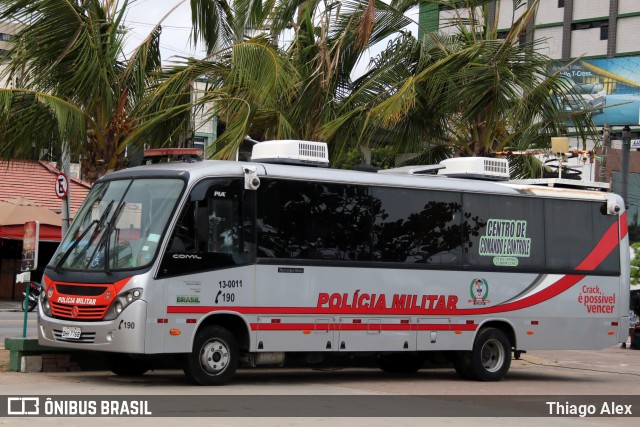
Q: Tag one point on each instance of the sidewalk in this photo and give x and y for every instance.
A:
(8, 305)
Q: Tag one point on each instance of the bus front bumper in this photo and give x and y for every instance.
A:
(125, 334)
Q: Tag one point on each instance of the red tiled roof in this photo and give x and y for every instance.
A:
(35, 181)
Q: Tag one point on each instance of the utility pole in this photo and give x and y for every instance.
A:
(626, 148)
(606, 144)
(66, 169)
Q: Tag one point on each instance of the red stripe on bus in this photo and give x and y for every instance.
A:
(605, 246)
(324, 327)
(558, 287)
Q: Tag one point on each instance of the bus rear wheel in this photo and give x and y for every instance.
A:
(462, 364)
(490, 357)
(214, 358)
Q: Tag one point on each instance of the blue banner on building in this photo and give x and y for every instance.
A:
(609, 87)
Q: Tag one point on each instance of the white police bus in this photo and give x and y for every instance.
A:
(256, 263)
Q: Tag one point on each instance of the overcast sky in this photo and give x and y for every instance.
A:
(143, 15)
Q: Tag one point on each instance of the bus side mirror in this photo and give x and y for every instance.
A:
(613, 208)
(251, 180)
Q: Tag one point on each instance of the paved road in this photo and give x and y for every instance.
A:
(11, 325)
(612, 371)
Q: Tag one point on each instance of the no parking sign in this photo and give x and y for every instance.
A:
(62, 186)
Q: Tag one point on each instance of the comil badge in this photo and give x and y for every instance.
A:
(479, 291)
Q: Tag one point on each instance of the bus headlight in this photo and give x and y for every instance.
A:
(121, 302)
(44, 301)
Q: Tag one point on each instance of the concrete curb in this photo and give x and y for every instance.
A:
(27, 355)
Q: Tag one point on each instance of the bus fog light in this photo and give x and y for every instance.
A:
(110, 336)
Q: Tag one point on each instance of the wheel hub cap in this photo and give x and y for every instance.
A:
(214, 356)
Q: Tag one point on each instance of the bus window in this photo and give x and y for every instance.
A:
(417, 226)
(504, 232)
(213, 230)
(317, 221)
(581, 223)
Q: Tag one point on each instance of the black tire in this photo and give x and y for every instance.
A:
(127, 366)
(28, 305)
(214, 358)
(490, 358)
(401, 363)
(462, 364)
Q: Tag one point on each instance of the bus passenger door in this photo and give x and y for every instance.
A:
(433, 334)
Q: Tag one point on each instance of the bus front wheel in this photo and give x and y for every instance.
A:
(214, 358)
(490, 357)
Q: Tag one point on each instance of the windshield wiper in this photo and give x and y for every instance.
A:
(77, 241)
(110, 226)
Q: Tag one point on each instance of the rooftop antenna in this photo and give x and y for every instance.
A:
(560, 146)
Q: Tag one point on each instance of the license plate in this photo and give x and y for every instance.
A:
(71, 333)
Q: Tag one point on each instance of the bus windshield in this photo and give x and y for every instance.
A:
(119, 225)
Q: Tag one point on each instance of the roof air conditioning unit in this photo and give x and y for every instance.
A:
(476, 168)
(292, 152)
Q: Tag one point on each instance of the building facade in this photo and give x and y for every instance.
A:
(7, 31)
(571, 28)
(597, 45)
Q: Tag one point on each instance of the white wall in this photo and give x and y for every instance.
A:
(200, 124)
(587, 42)
(628, 6)
(586, 9)
(549, 12)
(448, 16)
(553, 43)
(506, 14)
(626, 27)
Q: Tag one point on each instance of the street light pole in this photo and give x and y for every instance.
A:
(66, 169)
(626, 148)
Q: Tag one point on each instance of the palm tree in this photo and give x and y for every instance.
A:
(472, 93)
(273, 89)
(75, 85)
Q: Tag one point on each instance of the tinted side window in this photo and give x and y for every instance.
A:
(504, 231)
(417, 226)
(574, 229)
(308, 220)
(214, 229)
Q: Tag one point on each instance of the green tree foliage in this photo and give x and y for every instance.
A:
(281, 69)
(74, 84)
(635, 264)
(470, 92)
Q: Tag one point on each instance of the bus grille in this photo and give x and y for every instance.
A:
(85, 337)
(65, 311)
(89, 291)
